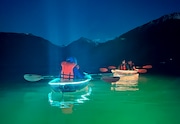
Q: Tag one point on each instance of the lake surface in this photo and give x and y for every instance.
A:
(154, 99)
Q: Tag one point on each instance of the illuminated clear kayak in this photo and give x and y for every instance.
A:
(124, 71)
(126, 75)
(61, 85)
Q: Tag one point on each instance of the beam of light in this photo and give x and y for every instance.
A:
(54, 30)
(60, 23)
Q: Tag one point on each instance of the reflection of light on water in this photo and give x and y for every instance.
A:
(125, 86)
(127, 82)
(127, 77)
(61, 104)
(66, 100)
(84, 96)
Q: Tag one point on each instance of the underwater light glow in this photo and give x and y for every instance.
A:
(66, 104)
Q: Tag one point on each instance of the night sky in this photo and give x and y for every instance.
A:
(64, 21)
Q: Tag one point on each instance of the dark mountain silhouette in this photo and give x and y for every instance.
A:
(22, 53)
(83, 49)
(159, 37)
(156, 43)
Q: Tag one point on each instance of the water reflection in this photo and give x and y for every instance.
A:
(125, 85)
(127, 77)
(67, 100)
(127, 82)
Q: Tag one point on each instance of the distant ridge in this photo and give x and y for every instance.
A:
(84, 40)
(154, 43)
(175, 15)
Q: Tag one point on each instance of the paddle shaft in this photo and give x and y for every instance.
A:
(36, 77)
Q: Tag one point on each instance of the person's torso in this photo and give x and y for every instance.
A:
(67, 70)
(123, 67)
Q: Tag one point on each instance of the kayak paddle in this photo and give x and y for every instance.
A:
(110, 79)
(36, 77)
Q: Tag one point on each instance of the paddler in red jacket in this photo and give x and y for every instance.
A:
(131, 65)
(123, 65)
(67, 68)
(70, 69)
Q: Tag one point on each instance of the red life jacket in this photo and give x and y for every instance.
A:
(67, 70)
(123, 67)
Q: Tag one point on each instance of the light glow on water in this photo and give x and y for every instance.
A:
(62, 103)
(155, 102)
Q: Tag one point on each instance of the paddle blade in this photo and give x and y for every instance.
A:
(147, 66)
(32, 77)
(103, 69)
(110, 79)
(137, 67)
(112, 67)
(142, 70)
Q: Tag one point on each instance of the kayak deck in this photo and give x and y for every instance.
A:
(126, 75)
(59, 85)
(124, 71)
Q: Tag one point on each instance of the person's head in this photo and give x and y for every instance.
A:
(123, 62)
(71, 60)
(130, 62)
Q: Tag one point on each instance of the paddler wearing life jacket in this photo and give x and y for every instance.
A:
(130, 65)
(67, 68)
(123, 65)
(70, 69)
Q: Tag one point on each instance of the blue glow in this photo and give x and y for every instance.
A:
(64, 21)
(57, 81)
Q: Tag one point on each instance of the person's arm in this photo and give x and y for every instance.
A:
(134, 68)
(77, 66)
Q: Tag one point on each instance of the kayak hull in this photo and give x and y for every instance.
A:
(110, 79)
(126, 75)
(59, 85)
(124, 71)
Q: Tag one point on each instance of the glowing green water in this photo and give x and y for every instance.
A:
(155, 100)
